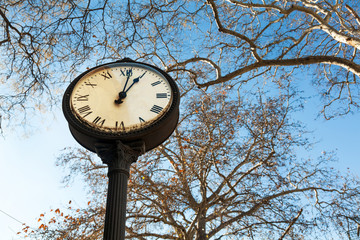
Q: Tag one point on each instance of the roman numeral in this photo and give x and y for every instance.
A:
(141, 119)
(155, 83)
(161, 95)
(90, 84)
(82, 98)
(98, 120)
(106, 75)
(156, 109)
(127, 72)
(121, 125)
(86, 110)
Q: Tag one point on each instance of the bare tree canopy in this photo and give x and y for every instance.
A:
(233, 173)
(208, 42)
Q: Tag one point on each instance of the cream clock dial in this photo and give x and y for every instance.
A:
(121, 97)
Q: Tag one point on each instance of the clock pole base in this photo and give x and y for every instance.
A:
(118, 157)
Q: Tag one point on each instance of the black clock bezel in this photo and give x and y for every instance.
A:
(152, 134)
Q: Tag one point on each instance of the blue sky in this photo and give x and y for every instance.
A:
(342, 135)
(30, 181)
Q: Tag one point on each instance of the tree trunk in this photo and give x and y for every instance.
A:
(201, 226)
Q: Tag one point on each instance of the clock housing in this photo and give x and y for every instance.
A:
(123, 101)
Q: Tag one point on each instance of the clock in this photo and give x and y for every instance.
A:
(125, 101)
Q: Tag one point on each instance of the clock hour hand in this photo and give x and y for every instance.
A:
(122, 94)
(135, 81)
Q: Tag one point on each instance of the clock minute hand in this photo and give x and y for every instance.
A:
(122, 94)
(126, 82)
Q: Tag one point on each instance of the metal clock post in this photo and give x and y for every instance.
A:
(120, 125)
(118, 157)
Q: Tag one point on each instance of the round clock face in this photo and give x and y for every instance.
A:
(121, 97)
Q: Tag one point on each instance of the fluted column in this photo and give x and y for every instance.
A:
(119, 158)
